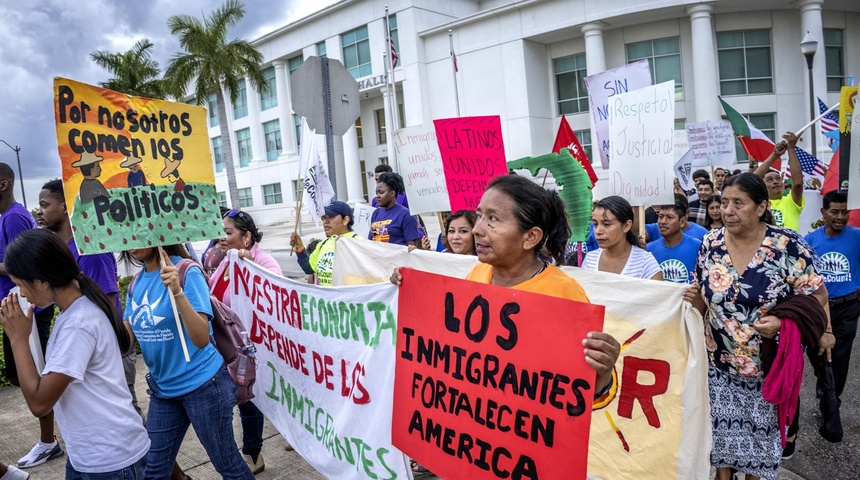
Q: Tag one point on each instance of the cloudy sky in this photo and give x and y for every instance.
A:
(49, 38)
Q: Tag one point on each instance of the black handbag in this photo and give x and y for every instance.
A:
(831, 428)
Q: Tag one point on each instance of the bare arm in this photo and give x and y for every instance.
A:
(764, 166)
(795, 169)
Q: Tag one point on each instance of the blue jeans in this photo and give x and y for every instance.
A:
(252, 428)
(209, 409)
(131, 472)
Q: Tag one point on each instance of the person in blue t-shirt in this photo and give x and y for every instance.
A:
(391, 222)
(675, 252)
(690, 229)
(199, 392)
(837, 246)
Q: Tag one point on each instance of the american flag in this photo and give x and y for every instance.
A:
(810, 165)
(395, 57)
(829, 125)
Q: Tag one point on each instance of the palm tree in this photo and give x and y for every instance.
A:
(133, 72)
(215, 65)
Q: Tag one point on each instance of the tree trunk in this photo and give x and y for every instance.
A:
(227, 149)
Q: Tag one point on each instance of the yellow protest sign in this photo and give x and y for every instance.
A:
(137, 172)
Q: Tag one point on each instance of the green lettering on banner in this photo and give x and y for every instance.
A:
(348, 321)
(320, 425)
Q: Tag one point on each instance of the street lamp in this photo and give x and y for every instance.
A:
(808, 46)
(17, 151)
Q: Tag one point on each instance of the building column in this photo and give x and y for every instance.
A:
(595, 55)
(288, 133)
(258, 145)
(705, 80)
(352, 167)
(810, 21)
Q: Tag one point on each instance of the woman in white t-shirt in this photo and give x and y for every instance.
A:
(83, 379)
(619, 250)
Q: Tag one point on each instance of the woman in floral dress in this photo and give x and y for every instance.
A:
(744, 269)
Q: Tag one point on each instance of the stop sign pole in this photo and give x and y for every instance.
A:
(313, 85)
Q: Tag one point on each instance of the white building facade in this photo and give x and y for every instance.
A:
(525, 61)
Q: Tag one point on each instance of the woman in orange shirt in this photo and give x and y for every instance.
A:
(516, 219)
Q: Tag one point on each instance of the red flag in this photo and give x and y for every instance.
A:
(831, 178)
(565, 138)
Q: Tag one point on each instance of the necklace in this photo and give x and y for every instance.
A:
(542, 268)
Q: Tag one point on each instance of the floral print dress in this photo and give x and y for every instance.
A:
(745, 430)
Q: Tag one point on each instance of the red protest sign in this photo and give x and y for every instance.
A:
(473, 153)
(491, 382)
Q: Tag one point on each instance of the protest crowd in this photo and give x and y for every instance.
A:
(223, 333)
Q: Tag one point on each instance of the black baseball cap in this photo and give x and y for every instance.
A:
(337, 207)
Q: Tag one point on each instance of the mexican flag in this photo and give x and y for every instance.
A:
(755, 143)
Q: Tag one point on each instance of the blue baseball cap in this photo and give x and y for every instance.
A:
(337, 207)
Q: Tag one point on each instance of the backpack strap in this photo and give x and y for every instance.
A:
(183, 266)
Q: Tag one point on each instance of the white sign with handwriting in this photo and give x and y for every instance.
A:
(420, 166)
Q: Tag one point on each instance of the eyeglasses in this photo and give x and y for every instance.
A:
(235, 213)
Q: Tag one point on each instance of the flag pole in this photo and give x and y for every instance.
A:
(806, 127)
(395, 125)
(300, 183)
(454, 64)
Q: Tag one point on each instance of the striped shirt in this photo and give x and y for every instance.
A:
(640, 263)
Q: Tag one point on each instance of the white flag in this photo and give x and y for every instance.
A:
(684, 170)
(318, 191)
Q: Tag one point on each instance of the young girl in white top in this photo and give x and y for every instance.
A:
(619, 250)
(83, 380)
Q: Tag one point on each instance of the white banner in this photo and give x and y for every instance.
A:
(684, 171)
(421, 168)
(854, 163)
(810, 216)
(605, 85)
(657, 425)
(681, 144)
(712, 143)
(642, 140)
(325, 368)
(318, 191)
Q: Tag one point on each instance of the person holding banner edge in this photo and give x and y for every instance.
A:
(337, 222)
(241, 234)
(200, 392)
(516, 218)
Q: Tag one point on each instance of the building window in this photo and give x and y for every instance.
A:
(246, 198)
(272, 194)
(218, 154)
(297, 190)
(584, 137)
(356, 52)
(745, 66)
(269, 99)
(358, 132)
(570, 93)
(243, 142)
(664, 58)
(212, 106)
(766, 122)
(380, 127)
(833, 51)
(240, 106)
(272, 134)
(294, 63)
(395, 38)
(222, 199)
(365, 175)
(297, 121)
(321, 49)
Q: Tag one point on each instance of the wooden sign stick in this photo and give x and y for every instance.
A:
(179, 329)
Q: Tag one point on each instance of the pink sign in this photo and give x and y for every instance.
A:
(473, 153)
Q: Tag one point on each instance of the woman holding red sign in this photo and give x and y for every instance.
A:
(516, 219)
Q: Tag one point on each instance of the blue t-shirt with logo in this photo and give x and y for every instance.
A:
(678, 262)
(693, 230)
(838, 259)
(148, 310)
(393, 225)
